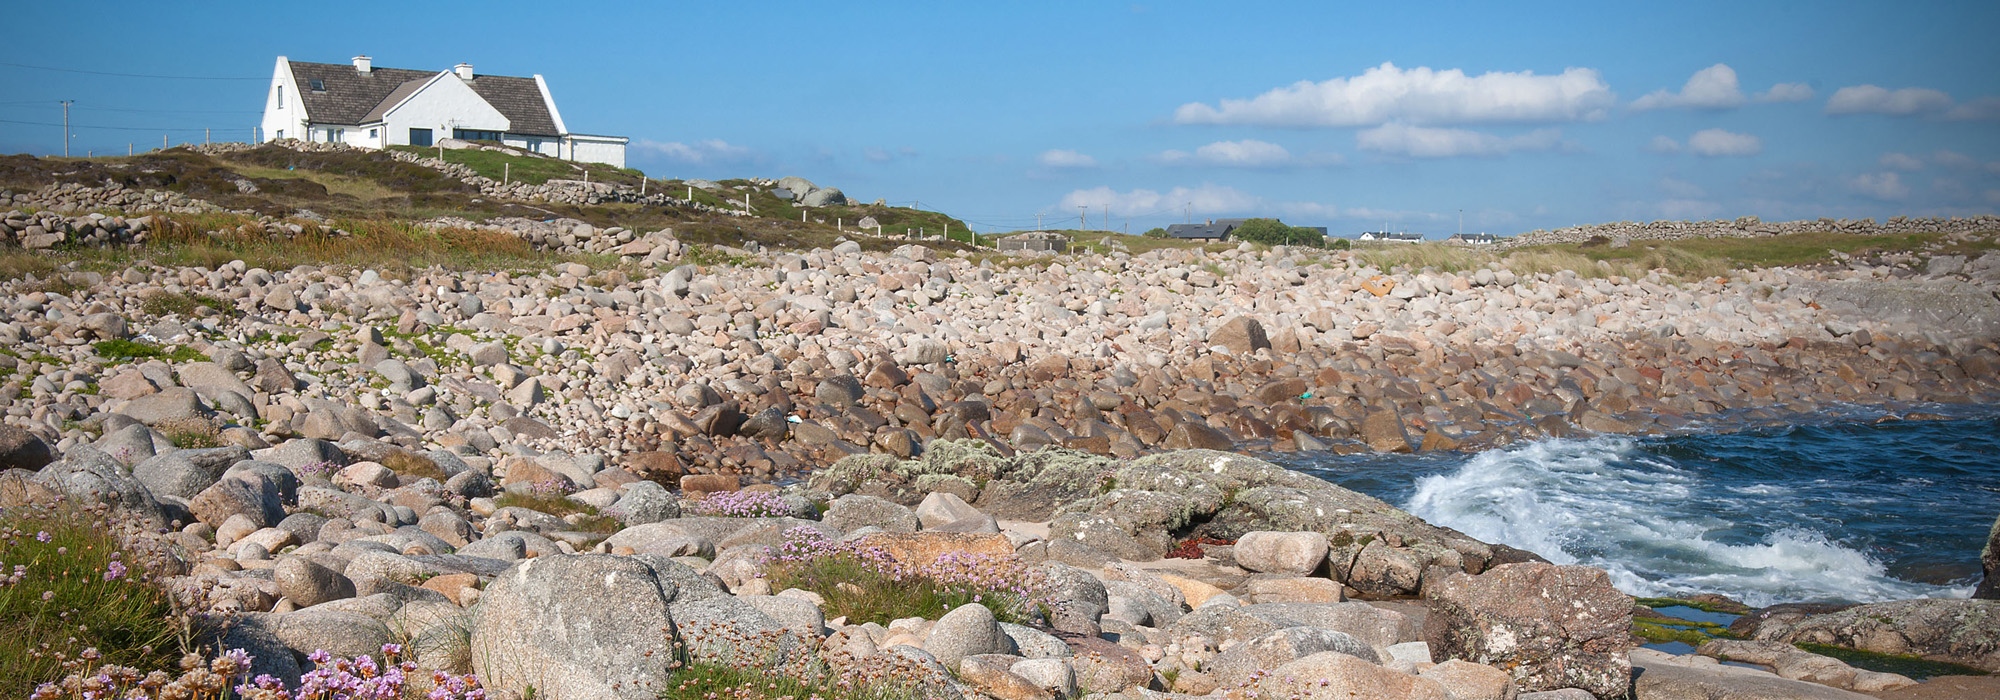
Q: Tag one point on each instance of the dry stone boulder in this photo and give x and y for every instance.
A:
(1239, 663)
(1551, 626)
(1292, 553)
(306, 583)
(967, 630)
(1241, 335)
(576, 627)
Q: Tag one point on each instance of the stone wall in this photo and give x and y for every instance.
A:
(1749, 227)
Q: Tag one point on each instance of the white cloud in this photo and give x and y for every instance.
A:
(1716, 142)
(1887, 187)
(1713, 87)
(1662, 144)
(1065, 159)
(703, 152)
(1982, 109)
(1206, 199)
(1871, 99)
(1786, 92)
(1427, 142)
(1900, 161)
(1419, 95)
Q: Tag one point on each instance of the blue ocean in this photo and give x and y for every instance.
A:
(1851, 510)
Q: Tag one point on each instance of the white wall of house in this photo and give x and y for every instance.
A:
(443, 104)
(609, 150)
(282, 114)
(545, 145)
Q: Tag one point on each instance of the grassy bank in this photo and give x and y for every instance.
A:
(70, 598)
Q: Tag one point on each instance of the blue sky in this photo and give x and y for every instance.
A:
(1346, 115)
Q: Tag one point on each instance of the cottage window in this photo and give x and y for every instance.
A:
(371, 133)
(475, 135)
(318, 85)
(281, 133)
(420, 137)
(281, 98)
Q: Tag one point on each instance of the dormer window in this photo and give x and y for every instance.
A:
(318, 85)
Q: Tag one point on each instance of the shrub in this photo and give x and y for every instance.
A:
(866, 584)
(191, 432)
(1274, 232)
(164, 303)
(71, 598)
(1155, 232)
(742, 504)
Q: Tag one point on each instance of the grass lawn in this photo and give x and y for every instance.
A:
(531, 169)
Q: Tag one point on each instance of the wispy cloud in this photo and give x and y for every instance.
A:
(1720, 143)
(1887, 187)
(1873, 99)
(1430, 142)
(1419, 95)
(1786, 92)
(1247, 153)
(1065, 159)
(703, 152)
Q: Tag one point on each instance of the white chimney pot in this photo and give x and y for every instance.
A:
(464, 71)
(363, 64)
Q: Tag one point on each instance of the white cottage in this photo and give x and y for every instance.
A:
(361, 105)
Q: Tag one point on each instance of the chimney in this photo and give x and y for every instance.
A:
(464, 71)
(363, 64)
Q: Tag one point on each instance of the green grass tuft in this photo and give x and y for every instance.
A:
(63, 604)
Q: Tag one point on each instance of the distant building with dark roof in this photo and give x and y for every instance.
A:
(361, 105)
(1214, 230)
(1386, 237)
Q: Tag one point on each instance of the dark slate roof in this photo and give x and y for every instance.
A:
(1217, 230)
(520, 100)
(352, 97)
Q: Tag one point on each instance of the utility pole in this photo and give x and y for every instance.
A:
(66, 104)
(1038, 221)
(1190, 212)
(1084, 217)
(1461, 223)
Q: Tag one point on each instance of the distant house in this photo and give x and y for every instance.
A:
(1214, 230)
(1386, 237)
(1473, 239)
(361, 105)
(1034, 240)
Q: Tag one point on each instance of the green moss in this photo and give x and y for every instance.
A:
(1704, 607)
(1659, 634)
(1914, 667)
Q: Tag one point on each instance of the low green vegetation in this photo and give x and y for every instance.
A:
(1659, 633)
(1914, 667)
(1275, 232)
(120, 351)
(191, 433)
(527, 168)
(1719, 608)
(70, 598)
(866, 584)
(164, 303)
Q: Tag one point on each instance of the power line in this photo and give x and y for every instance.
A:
(123, 75)
(111, 128)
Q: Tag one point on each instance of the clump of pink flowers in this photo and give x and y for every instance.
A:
(359, 678)
(549, 488)
(882, 588)
(742, 504)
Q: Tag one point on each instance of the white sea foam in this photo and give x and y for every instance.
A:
(1649, 523)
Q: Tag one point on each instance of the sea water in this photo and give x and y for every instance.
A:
(1851, 511)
